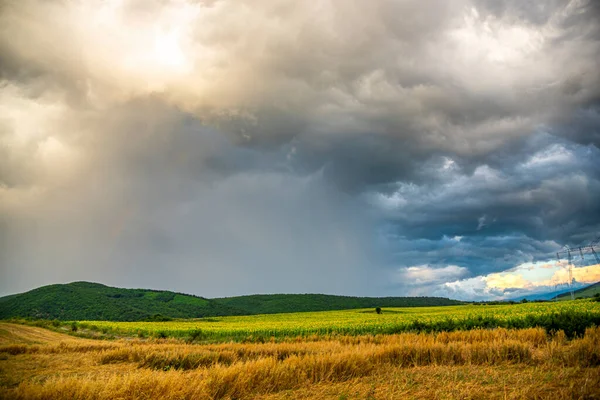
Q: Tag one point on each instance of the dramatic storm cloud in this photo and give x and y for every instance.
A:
(233, 147)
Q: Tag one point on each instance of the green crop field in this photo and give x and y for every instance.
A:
(571, 316)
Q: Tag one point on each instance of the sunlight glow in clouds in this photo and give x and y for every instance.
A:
(168, 51)
(129, 49)
(526, 278)
(488, 39)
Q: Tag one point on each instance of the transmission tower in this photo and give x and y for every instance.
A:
(587, 249)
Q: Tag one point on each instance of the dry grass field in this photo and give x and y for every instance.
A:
(500, 364)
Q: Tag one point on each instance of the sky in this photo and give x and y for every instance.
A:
(221, 148)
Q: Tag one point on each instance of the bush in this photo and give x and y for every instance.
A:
(161, 335)
(195, 335)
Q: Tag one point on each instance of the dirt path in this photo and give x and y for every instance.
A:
(22, 334)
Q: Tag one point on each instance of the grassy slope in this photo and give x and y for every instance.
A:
(93, 301)
(587, 291)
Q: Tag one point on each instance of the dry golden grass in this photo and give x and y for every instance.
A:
(499, 363)
(17, 334)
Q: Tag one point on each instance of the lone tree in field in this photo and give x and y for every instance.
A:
(378, 310)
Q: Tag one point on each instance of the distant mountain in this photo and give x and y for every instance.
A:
(541, 296)
(587, 291)
(563, 292)
(94, 301)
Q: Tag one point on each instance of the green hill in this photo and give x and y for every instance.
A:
(588, 291)
(280, 303)
(93, 301)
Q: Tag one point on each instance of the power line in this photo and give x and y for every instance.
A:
(587, 249)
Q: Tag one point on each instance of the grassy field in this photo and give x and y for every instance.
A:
(496, 364)
(519, 351)
(572, 317)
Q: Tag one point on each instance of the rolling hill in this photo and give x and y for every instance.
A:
(94, 301)
(279, 303)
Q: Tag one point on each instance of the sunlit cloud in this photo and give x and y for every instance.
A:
(527, 278)
(587, 274)
(506, 281)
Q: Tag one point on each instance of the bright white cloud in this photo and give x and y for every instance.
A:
(426, 275)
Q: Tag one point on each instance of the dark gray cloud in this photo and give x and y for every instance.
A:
(228, 147)
(177, 205)
(518, 208)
